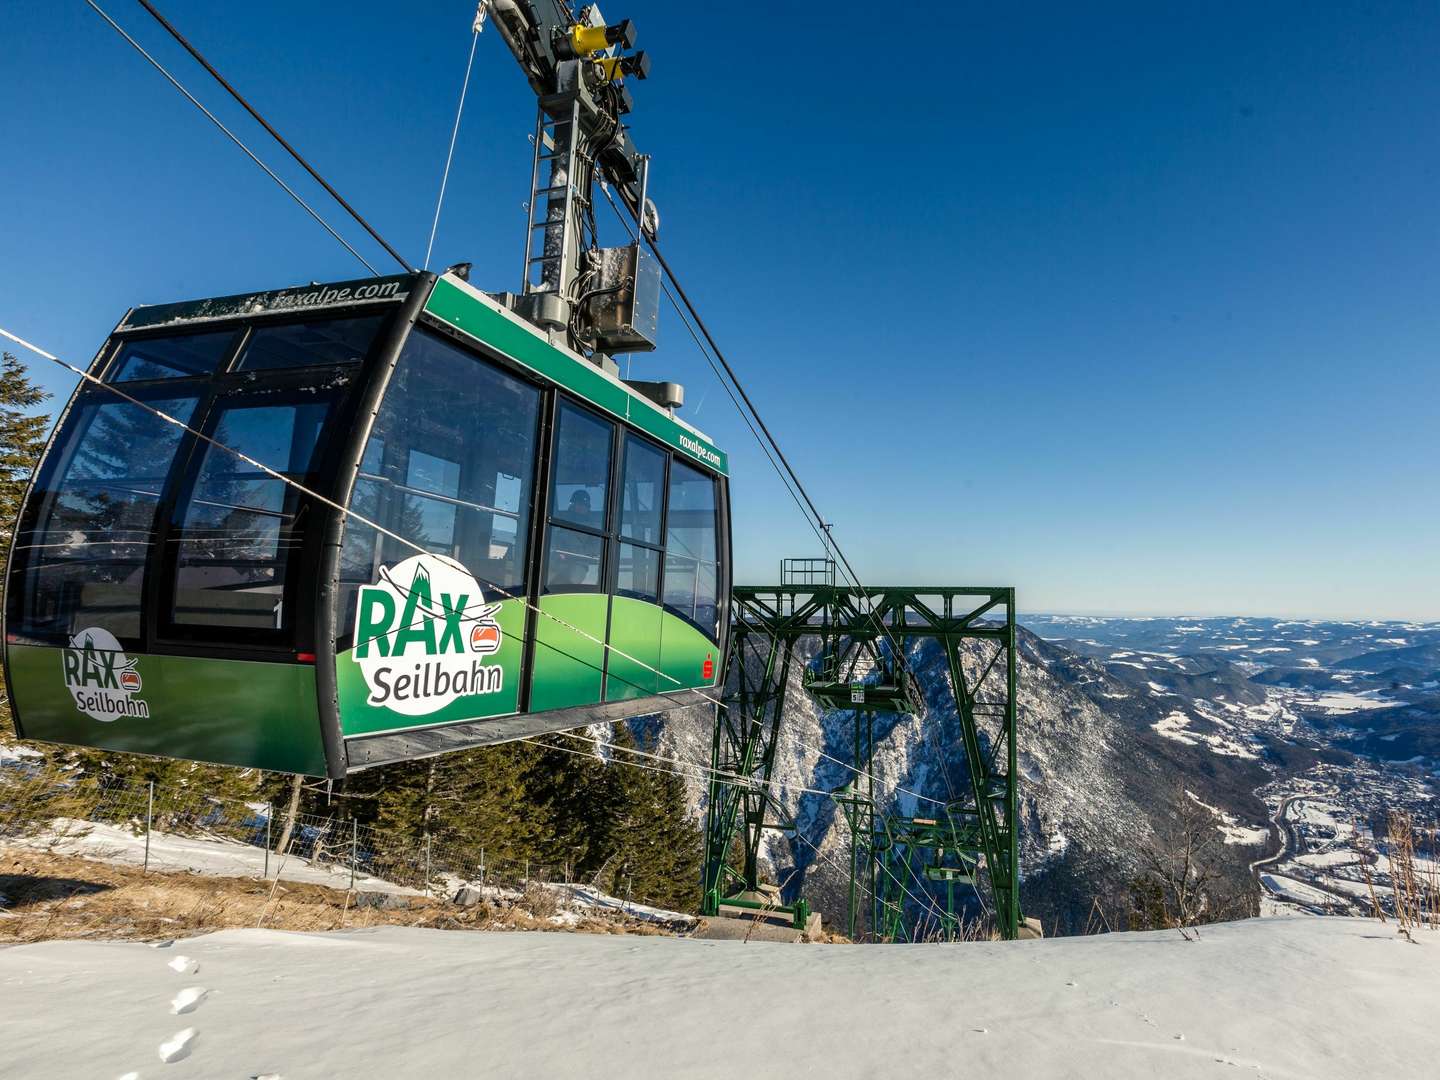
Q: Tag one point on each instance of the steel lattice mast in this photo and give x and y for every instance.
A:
(971, 839)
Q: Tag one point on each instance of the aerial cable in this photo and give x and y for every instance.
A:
(731, 779)
(862, 773)
(169, 27)
(724, 385)
(788, 475)
(763, 434)
(824, 538)
(455, 131)
(232, 136)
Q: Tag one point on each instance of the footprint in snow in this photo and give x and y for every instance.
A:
(187, 1000)
(183, 965)
(178, 1046)
(155, 945)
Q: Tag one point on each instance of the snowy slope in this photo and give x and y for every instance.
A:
(1274, 998)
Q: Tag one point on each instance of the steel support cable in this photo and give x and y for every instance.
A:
(724, 385)
(179, 37)
(730, 779)
(349, 513)
(231, 135)
(766, 440)
(737, 780)
(862, 773)
(787, 474)
(790, 481)
(454, 132)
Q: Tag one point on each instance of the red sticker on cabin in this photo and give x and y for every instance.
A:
(707, 670)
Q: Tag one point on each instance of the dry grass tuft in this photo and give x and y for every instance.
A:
(45, 896)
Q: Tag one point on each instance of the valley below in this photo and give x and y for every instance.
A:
(1298, 738)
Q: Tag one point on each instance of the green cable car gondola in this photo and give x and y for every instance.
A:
(532, 544)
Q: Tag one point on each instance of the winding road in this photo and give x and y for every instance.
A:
(1291, 845)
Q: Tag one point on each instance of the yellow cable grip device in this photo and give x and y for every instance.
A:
(588, 40)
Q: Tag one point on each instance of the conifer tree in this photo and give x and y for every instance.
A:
(22, 438)
(657, 846)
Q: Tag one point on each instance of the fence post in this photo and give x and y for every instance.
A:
(149, 816)
(269, 817)
(427, 864)
(354, 845)
(526, 880)
(482, 868)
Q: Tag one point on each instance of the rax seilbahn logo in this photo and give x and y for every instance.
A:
(101, 678)
(422, 636)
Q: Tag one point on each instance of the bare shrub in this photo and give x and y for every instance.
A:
(539, 901)
(1182, 881)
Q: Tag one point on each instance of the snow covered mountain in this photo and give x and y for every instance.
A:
(1120, 718)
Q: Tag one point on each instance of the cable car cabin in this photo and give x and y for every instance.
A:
(532, 545)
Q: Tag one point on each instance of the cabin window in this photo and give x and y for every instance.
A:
(643, 487)
(691, 549)
(580, 491)
(334, 341)
(638, 574)
(449, 466)
(572, 560)
(171, 357)
(86, 554)
(239, 526)
(642, 505)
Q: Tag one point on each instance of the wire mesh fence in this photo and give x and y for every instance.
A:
(178, 827)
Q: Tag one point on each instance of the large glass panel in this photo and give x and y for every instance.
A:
(638, 574)
(643, 491)
(170, 357)
(237, 529)
(86, 555)
(572, 560)
(690, 528)
(449, 466)
(691, 548)
(334, 341)
(580, 493)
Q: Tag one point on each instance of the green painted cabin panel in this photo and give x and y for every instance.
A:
(229, 712)
(569, 663)
(634, 661)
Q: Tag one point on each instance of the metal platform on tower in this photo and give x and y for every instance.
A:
(854, 646)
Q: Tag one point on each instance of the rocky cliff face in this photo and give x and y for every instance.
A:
(1094, 776)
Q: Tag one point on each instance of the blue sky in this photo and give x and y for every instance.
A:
(1133, 309)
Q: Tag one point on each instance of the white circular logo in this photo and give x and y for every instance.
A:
(422, 636)
(101, 678)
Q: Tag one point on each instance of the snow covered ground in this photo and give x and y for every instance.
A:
(1276, 998)
(197, 854)
(219, 857)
